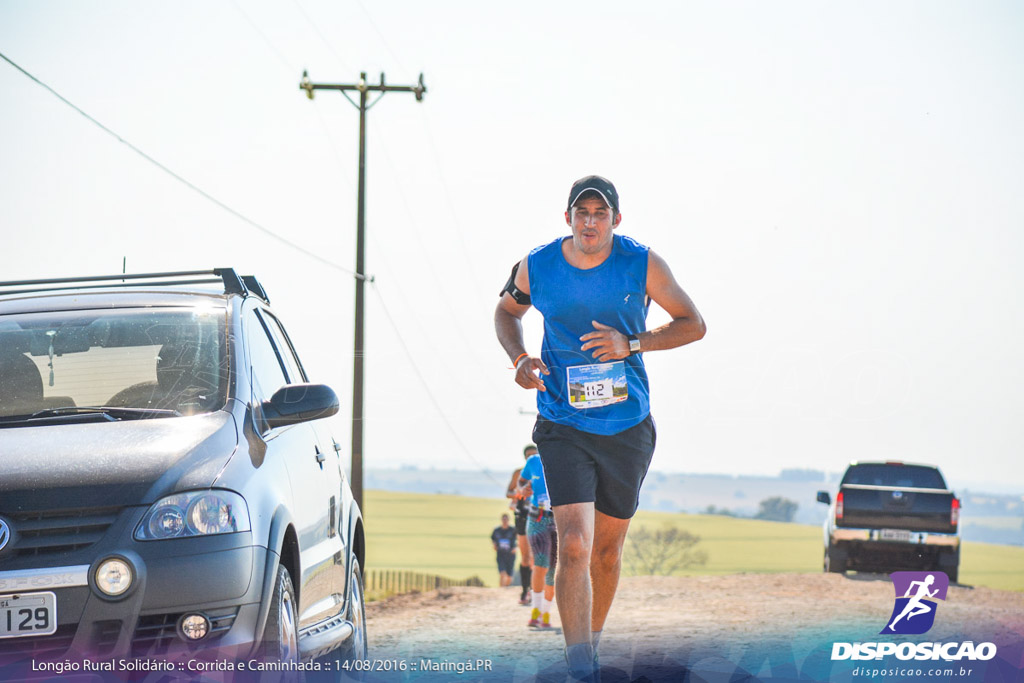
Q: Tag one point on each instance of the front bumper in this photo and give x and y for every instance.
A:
(219, 577)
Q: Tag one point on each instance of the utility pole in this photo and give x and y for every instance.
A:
(364, 89)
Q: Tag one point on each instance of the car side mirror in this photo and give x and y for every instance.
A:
(295, 403)
(823, 497)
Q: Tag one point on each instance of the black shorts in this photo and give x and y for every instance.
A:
(522, 514)
(607, 471)
(506, 562)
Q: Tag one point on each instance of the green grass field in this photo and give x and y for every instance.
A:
(450, 536)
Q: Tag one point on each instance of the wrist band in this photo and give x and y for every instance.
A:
(515, 363)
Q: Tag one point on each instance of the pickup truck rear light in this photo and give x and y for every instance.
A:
(954, 512)
(839, 505)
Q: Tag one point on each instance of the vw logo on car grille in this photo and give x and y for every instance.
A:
(897, 495)
(5, 534)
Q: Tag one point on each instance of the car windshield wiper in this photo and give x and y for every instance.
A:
(117, 412)
(85, 414)
(77, 413)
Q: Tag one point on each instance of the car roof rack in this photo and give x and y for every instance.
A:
(233, 283)
(254, 287)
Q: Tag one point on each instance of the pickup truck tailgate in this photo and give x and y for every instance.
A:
(890, 507)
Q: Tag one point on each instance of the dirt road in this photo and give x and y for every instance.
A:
(771, 626)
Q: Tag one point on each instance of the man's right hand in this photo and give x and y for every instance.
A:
(526, 376)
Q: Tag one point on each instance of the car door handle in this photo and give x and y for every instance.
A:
(320, 456)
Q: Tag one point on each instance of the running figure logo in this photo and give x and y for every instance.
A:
(916, 593)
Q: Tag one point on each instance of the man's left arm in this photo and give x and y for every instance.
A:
(607, 343)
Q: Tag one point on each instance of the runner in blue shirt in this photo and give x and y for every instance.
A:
(594, 430)
(541, 535)
(522, 511)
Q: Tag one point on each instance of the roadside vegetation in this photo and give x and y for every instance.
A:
(660, 552)
(450, 536)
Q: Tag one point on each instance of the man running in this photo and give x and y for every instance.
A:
(522, 512)
(594, 431)
(504, 540)
(543, 540)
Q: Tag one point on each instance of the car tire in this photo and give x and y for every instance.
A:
(356, 646)
(835, 560)
(337, 664)
(950, 564)
(281, 635)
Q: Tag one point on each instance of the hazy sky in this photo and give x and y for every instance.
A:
(838, 186)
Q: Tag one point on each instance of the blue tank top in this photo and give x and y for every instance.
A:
(614, 293)
(533, 471)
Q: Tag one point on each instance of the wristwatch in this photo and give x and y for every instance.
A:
(634, 344)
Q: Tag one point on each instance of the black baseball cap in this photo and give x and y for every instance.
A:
(602, 186)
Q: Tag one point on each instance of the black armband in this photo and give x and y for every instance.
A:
(521, 298)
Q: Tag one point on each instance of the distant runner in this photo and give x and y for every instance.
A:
(540, 531)
(522, 507)
(504, 540)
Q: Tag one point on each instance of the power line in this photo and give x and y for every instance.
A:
(426, 386)
(327, 43)
(279, 54)
(187, 183)
(384, 40)
(470, 262)
(273, 48)
(427, 262)
(420, 332)
(342, 167)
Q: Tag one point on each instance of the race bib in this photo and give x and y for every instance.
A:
(504, 544)
(593, 386)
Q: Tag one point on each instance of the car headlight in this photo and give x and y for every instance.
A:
(195, 513)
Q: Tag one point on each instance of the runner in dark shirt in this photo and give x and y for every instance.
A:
(504, 540)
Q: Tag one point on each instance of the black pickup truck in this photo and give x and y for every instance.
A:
(890, 516)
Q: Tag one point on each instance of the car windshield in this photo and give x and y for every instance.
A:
(160, 361)
(909, 476)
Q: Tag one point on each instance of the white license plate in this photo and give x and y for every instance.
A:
(895, 535)
(28, 614)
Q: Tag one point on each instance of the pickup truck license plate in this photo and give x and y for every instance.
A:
(28, 614)
(895, 535)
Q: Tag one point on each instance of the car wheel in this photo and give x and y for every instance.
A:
(280, 638)
(337, 663)
(356, 646)
(950, 564)
(835, 560)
